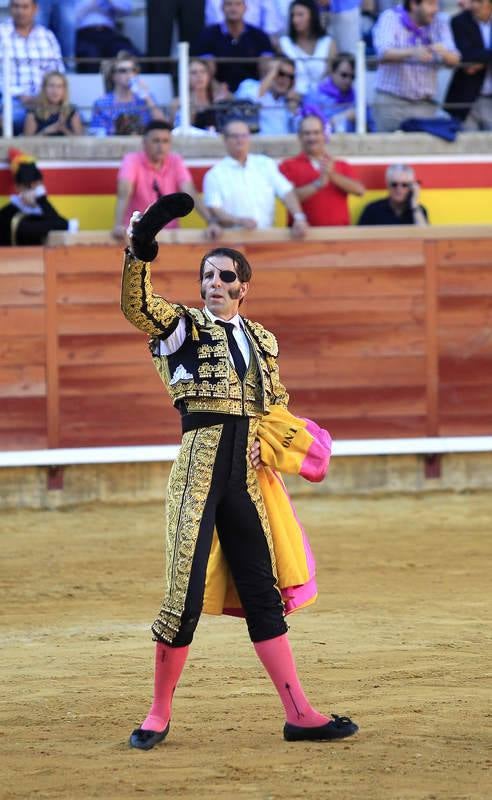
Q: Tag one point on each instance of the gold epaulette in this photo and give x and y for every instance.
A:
(265, 339)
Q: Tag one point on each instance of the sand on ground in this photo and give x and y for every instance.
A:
(399, 640)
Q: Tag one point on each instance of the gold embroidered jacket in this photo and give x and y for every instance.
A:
(199, 376)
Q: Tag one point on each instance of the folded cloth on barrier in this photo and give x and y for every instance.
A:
(296, 446)
(440, 126)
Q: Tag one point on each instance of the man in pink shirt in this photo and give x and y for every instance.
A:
(150, 173)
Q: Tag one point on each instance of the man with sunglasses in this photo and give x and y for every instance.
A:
(275, 94)
(401, 206)
(221, 373)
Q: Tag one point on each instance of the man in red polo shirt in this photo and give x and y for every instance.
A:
(322, 184)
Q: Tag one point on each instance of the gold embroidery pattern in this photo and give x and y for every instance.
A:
(266, 339)
(160, 313)
(188, 488)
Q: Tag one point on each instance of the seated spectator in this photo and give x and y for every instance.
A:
(334, 99)
(262, 14)
(469, 96)
(28, 217)
(233, 39)
(412, 42)
(240, 190)
(307, 45)
(53, 114)
(205, 92)
(97, 31)
(401, 206)
(59, 17)
(127, 107)
(150, 173)
(279, 101)
(34, 52)
(322, 184)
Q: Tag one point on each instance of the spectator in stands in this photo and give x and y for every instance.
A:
(34, 52)
(334, 99)
(307, 45)
(233, 39)
(162, 15)
(262, 14)
(240, 190)
(28, 217)
(53, 114)
(412, 42)
(401, 206)
(59, 17)
(97, 31)
(127, 107)
(150, 173)
(470, 92)
(205, 92)
(345, 23)
(279, 101)
(322, 184)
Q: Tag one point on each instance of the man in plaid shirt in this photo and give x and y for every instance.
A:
(412, 42)
(35, 51)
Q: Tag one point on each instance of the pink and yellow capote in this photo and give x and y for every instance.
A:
(290, 445)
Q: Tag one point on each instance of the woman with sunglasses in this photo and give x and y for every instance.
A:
(401, 206)
(307, 44)
(127, 107)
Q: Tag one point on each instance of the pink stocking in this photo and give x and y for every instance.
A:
(276, 656)
(169, 663)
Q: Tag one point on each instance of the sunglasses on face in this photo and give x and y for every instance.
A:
(282, 74)
(226, 275)
(347, 75)
(396, 184)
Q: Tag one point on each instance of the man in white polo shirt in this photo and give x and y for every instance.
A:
(240, 190)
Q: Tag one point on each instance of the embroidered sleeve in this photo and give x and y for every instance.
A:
(147, 311)
(280, 394)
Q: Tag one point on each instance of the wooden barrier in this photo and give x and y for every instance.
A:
(382, 336)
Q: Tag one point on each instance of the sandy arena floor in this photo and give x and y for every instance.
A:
(398, 640)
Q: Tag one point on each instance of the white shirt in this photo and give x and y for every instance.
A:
(32, 57)
(177, 337)
(486, 31)
(247, 190)
(310, 69)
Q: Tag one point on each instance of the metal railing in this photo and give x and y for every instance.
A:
(180, 67)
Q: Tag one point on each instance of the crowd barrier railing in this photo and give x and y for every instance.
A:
(179, 68)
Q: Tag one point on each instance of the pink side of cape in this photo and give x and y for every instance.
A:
(315, 464)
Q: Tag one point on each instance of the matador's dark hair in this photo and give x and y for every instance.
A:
(239, 260)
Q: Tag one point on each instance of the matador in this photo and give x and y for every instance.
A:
(221, 372)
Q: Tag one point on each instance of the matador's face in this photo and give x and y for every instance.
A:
(222, 297)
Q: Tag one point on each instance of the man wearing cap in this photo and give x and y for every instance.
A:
(29, 216)
(221, 372)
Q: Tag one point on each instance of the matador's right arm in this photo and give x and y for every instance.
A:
(149, 312)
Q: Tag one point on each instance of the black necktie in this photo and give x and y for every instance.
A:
(236, 354)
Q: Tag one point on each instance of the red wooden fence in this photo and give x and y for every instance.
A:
(390, 335)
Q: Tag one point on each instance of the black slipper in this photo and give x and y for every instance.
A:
(337, 728)
(145, 740)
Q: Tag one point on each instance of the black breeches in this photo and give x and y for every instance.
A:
(230, 509)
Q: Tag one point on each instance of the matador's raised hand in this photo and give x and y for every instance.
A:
(144, 228)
